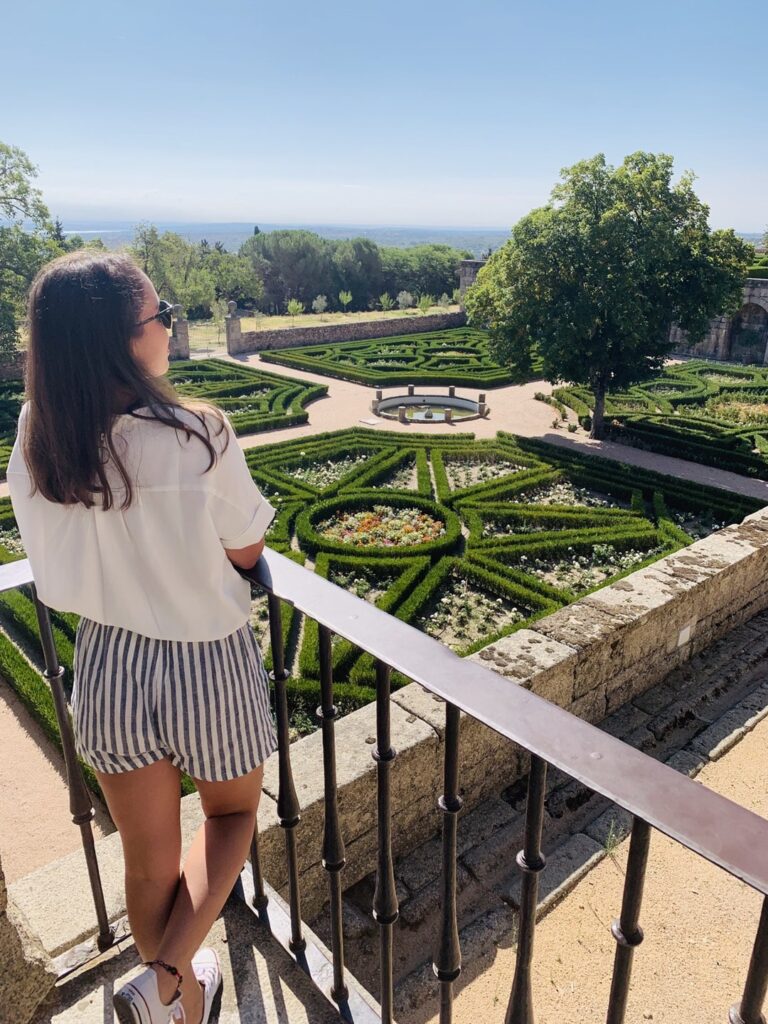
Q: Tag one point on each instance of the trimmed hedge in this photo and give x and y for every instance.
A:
(669, 415)
(495, 564)
(254, 400)
(459, 356)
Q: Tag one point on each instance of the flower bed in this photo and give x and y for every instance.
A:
(382, 526)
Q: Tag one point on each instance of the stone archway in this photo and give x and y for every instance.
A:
(749, 334)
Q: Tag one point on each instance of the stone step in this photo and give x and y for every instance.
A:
(261, 983)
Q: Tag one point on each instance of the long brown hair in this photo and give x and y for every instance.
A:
(83, 308)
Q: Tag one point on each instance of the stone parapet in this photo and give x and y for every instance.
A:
(591, 657)
(25, 974)
(239, 341)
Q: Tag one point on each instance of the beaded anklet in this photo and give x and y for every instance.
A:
(171, 970)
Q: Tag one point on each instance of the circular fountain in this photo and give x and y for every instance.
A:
(422, 408)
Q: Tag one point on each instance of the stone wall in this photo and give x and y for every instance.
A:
(25, 974)
(239, 341)
(590, 657)
(13, 368)
(468, 271)
(722, 339)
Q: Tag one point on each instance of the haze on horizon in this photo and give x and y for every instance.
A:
(378, 115)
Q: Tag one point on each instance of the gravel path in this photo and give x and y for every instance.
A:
(699, 926)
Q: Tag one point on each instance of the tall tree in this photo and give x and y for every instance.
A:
(22, 251)
(594, 280)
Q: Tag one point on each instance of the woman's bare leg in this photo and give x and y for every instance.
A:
(214, 861)
(145, 807)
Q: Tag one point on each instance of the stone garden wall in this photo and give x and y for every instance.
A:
(722, 340)
(239, 341)
(590, 657)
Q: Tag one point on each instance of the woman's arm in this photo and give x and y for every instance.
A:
(245, 558)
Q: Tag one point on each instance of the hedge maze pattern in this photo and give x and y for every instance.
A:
(459, 356)
(714, 413)
(527, 528)
(254, 400)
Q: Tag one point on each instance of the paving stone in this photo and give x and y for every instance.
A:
(687, 762)
(356, 922)
(566, 865)
(653, 700)
(677, 718)
(480, 824)
(623, 721)
(414, 910)
(642, 739)
(421, 866)
(496, 856)
(568, 798)
(612, 825)
(720, 737)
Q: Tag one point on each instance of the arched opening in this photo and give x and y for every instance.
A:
(749, 334)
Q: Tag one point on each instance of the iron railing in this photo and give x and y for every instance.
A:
(657, 796)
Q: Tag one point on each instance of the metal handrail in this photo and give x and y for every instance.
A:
(711, 825)
(718, 829)
(721, 831)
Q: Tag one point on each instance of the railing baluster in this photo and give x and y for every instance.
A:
(287, 801)
(447, 962)
(260, 898)
(80, 803)
(749, 1011)
(531, 862)
(626, 930)
(385, 909)
(333, 845)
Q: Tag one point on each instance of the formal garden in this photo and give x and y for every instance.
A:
(467, 540)
(254, 400)
(714, 413)
(458, 356)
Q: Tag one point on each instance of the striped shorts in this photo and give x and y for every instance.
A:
(203, 705)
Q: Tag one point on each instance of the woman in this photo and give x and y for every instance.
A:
(134, 507)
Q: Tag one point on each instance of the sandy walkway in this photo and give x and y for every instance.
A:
(35, 823)
(699, 926)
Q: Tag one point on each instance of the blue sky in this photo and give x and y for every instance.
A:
(400, 113)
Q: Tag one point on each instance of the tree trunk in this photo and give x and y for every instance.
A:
(598, 413)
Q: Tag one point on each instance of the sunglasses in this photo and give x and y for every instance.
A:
(164, 314)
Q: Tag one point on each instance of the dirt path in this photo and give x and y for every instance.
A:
(35, 823)
(699, 926)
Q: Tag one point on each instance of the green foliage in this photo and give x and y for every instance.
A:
(253, 399)
(458, 356)
(499, 530)
(345, 298)
(386, 301)
(708, 412)
(295, 308)
(595, 279)
(425, 303)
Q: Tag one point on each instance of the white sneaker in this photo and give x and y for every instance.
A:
(138, 1001)
(207, 968)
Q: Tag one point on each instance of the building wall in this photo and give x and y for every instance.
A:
(724, 340)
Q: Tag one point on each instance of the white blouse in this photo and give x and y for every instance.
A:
(158, 568)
